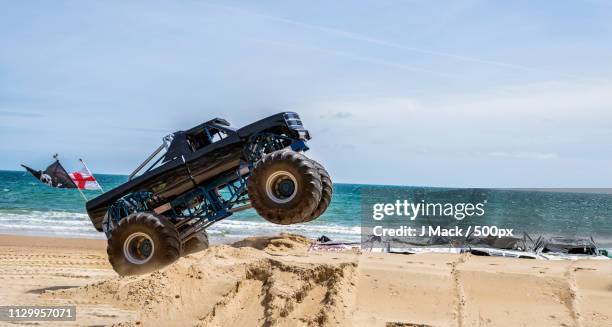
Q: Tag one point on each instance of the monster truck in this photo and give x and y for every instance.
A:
(203, 175)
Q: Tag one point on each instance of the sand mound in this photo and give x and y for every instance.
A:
(227, 285)
(284, 243)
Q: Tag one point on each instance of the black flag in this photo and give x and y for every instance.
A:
(55, 175)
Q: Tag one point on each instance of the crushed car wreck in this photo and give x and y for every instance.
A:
(525, 247)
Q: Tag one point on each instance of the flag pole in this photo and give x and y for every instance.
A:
(56, 157)
(82, 194)
(90, 173)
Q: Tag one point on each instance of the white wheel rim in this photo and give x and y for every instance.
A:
(132, 245)
(272, 184)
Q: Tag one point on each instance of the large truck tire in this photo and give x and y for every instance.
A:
(143, 242)
(285, 187)
(197, 243)
(327, 190)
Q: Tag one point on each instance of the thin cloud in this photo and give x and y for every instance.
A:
(390, 44)
(525, 155)
(359, 58)
(20, 114)
(337, 115)
(141, 129)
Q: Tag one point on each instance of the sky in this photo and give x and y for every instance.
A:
(436, 93)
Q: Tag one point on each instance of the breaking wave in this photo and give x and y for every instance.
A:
(241, 228)
(75, 224)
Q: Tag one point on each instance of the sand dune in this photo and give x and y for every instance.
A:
(275, 281)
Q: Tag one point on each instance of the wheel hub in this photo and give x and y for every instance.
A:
(281, 187)
(285, 187)
(138, 248)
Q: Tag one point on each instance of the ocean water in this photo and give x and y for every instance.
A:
(29, 207)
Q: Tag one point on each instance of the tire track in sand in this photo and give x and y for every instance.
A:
(458, 289)
(572, 301)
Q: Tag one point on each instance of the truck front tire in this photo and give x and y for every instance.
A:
(143, 242)
(285, 187)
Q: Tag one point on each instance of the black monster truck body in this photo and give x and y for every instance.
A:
(200, 176)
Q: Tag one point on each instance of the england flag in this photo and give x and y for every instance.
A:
(84, 179)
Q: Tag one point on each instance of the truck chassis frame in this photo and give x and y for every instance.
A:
(207, 203)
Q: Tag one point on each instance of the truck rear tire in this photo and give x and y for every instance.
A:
(143, 242)
(327, 190)
(196, 244)
(285, 187)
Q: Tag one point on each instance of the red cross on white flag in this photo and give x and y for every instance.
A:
(84, 179)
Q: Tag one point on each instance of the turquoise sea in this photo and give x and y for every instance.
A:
(28, 207)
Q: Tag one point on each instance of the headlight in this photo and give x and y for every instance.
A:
(293, 120)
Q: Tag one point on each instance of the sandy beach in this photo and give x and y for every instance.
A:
(275, 281)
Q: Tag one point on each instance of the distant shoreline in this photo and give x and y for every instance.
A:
(41, 239)
(51, 242)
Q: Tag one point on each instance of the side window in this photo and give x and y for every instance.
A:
(217, 134)
(207, 136)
